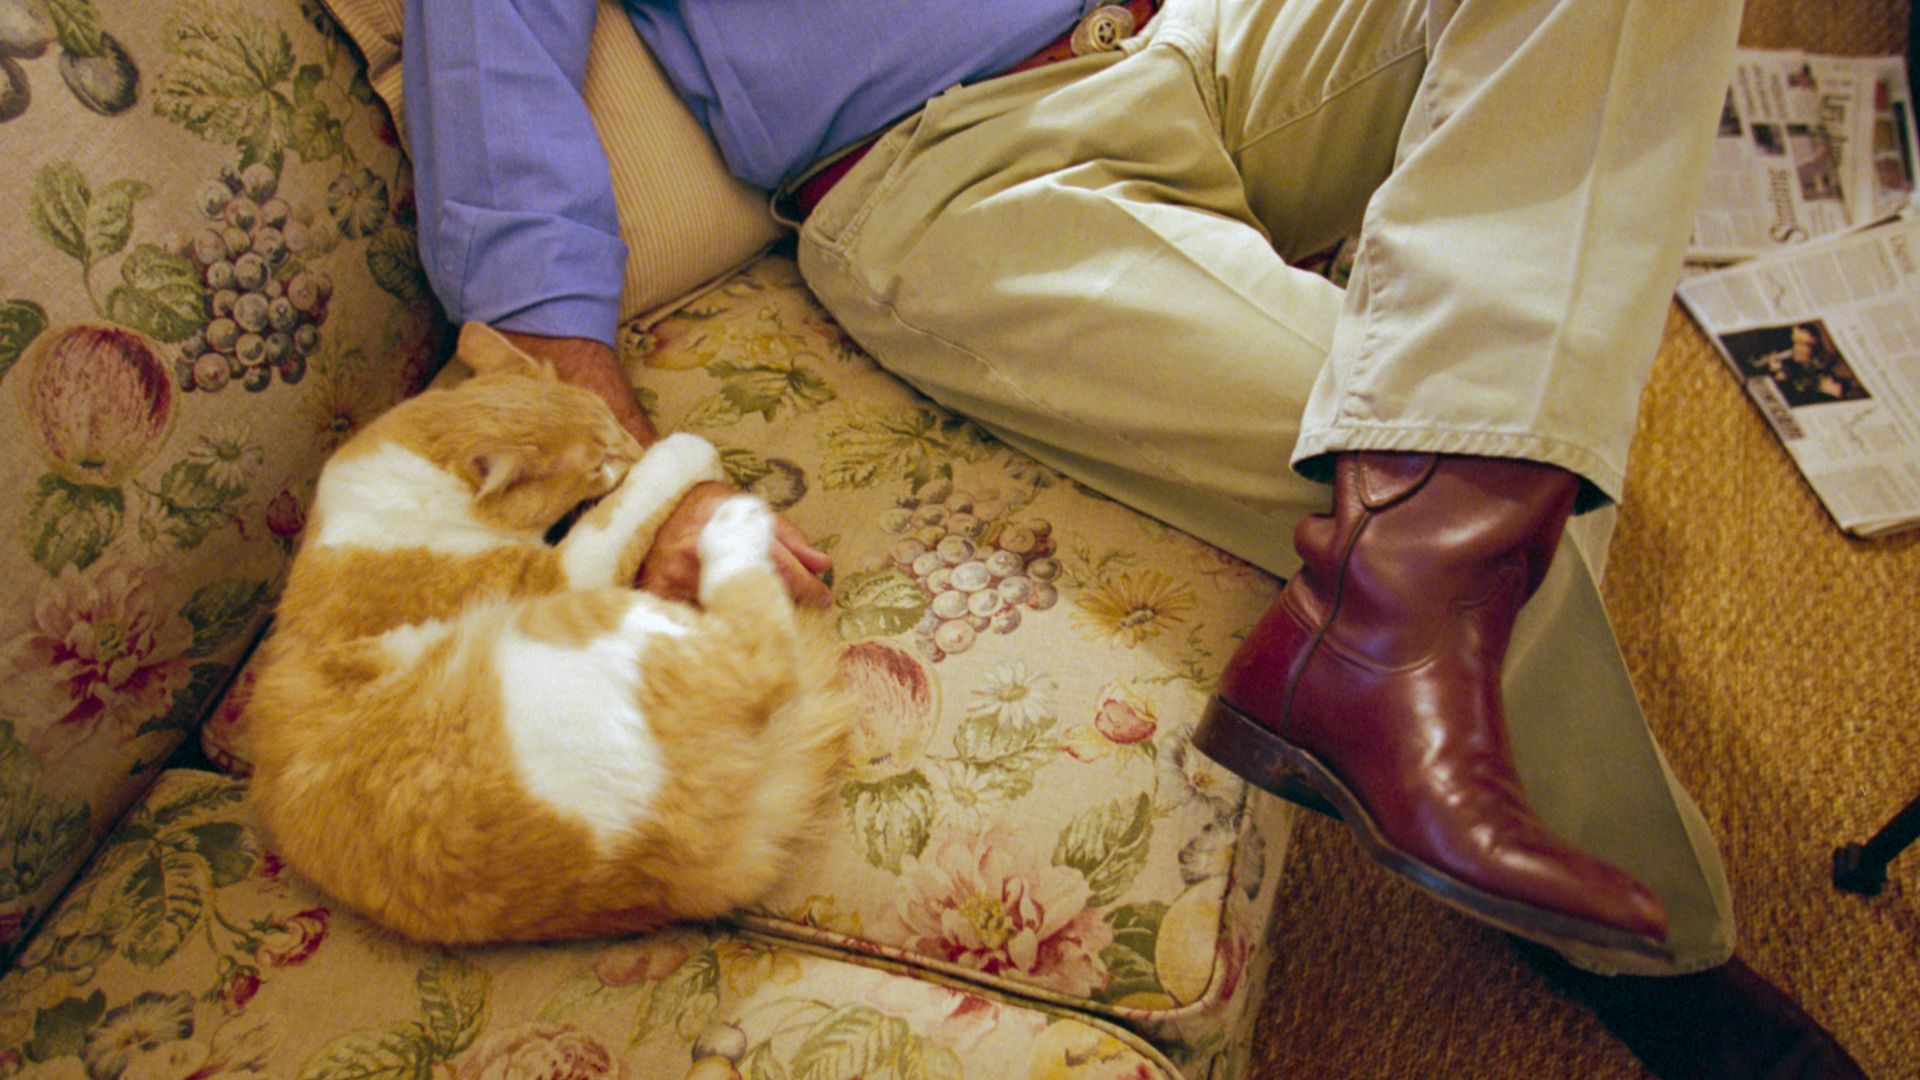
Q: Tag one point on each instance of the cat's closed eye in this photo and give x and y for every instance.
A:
(613, 469)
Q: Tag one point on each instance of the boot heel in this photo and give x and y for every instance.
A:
(1247, 750)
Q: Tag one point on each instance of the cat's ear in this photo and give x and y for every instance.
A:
(496, 469)
(488, 352)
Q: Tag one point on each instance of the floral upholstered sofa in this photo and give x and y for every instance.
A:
(208, 279)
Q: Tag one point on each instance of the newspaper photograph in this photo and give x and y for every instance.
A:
(1808, 147)
(1826, 341)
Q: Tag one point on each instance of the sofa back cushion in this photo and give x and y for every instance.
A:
(686, 221)
(207, 278)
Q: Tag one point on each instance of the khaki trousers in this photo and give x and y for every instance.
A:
(1091, 260)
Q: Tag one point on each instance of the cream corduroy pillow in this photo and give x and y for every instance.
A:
(686, 221)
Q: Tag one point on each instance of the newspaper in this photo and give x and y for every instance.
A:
(1826, 340)
(1809, 146)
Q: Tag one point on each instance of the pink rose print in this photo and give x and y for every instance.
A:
(646, 960)
(1122, 723)
(953, 1019)
(226, 730)
(1125, 719)
(97, 646)
(286, 516)
(293, 941)
(239, 989)
(13, 914)
(985, 901)
(1233, 958)
(546, 1051)
(406, 209)
(658, 342)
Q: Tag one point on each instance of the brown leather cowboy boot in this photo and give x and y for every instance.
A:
(1375, 680)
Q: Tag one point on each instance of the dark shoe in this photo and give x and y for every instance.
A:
(1375, 680)
(1725, 1023)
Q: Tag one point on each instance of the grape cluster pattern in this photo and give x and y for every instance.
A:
(980, 569)
(264, 307)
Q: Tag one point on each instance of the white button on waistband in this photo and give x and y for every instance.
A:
(1102, 30)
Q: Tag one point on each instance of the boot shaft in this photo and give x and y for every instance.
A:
(1422, 547)
(1376, 677)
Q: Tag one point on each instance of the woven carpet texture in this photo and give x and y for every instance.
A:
(1779, 662)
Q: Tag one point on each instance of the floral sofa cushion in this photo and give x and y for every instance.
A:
(187, 951)
(1025, 811)
(207, 275)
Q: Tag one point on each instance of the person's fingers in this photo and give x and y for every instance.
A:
(676, 576)
(682, 583)
(795, 541)
(806, 588)
(672, 569)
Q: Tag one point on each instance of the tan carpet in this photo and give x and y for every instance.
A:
(1780, 666)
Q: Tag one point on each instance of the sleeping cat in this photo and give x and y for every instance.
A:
(471, 735)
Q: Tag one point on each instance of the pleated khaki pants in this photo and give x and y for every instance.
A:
(1091, 259)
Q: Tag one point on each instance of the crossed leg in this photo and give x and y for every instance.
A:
(1146, 335)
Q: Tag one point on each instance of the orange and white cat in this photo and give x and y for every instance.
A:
(469, 734)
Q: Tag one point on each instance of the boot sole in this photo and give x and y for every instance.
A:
(1245, 747)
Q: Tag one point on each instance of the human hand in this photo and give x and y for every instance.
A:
(672, 567)
(592, 365)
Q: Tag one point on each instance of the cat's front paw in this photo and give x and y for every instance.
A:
(608, 543)
(687, 457)
(738, 537)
